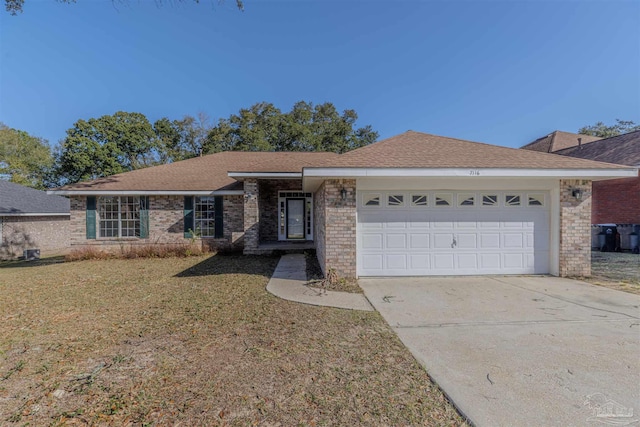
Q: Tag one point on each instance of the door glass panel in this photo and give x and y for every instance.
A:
(295, 218)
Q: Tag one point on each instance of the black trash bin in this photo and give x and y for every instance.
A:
(610, 238)
(634, 239)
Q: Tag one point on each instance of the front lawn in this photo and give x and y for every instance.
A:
(616, 270)
(195, 341)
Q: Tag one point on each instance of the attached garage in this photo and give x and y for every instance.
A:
(419, 204)
(414, 233)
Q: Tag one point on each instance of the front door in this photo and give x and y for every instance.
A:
(295, 219)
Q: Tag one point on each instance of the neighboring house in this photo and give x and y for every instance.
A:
(414, 204)
(32, 219)
(559, 140)
(614, 201)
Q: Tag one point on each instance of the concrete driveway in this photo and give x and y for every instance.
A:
(521, 351)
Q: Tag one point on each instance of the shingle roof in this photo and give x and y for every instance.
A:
(20, 200)
(206, 173)
(621, 149)
(558, 140)
(421, 150)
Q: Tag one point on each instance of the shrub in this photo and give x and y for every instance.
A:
(175, 250)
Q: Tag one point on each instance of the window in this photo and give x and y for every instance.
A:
(119, 216)
(489, 200)
(466, 199)
(395, 200)
(512, 200)
(204, 216)
(419, 200)
(443, 199)
(536, 199)
(372, 200)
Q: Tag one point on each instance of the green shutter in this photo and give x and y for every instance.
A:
(188, 216)
(144, 217)
(219, 217)
(91, 217)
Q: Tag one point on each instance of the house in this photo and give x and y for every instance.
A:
(558, 140)
(31, 219)
(413, 204)
(614, 201)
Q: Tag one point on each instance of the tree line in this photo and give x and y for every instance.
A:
(126, 141)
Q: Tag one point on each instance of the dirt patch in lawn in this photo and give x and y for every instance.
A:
(616, 270)
(196, 341)
(317, 280)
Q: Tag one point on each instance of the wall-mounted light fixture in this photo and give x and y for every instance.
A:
(577, 193)
(343, 194)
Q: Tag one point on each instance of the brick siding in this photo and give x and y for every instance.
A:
(336, 227)
(616, 201)
(268, 204)
(575, 229)
(166, 224)
(50, 234)
(319, 235)
(251, 216)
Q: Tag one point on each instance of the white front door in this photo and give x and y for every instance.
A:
(413, 233)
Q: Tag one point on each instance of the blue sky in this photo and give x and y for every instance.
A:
(491, 71)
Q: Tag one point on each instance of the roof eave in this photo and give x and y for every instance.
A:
(584, 173)
(35, 214)
(264, 175)
(146, 192)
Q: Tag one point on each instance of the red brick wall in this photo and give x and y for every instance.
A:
(616, 201)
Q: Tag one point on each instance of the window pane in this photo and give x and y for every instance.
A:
(512, 200)
(204, 221)
(395, 200)
(119, 216)
(419, 200)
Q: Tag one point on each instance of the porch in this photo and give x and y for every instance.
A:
(278, 216)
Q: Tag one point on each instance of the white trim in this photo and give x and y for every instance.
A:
(35, 214)
(146, 193)
(264, 174)
(473, 173)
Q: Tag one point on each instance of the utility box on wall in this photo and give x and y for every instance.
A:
(31, 254)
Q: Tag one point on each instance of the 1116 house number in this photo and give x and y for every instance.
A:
(474, 172)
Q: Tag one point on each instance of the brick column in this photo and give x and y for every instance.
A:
(575, 228)
(251, 216)
(340, 227)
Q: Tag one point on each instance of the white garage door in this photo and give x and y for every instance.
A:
(412, 233)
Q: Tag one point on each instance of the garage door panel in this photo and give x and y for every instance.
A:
(513, 260)
(372, 241)
(489, 240)
(440, 240)
(372, 262)
(396, 261)
(442, 224)
(467, 261)
(467, 241)
(396, 225)
(420, 261)
(488, 225)
(419, 240)
(512, 240)
(396, 241)
(443, 261)
(490, 261)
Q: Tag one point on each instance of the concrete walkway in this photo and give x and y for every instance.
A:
(289, 282)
